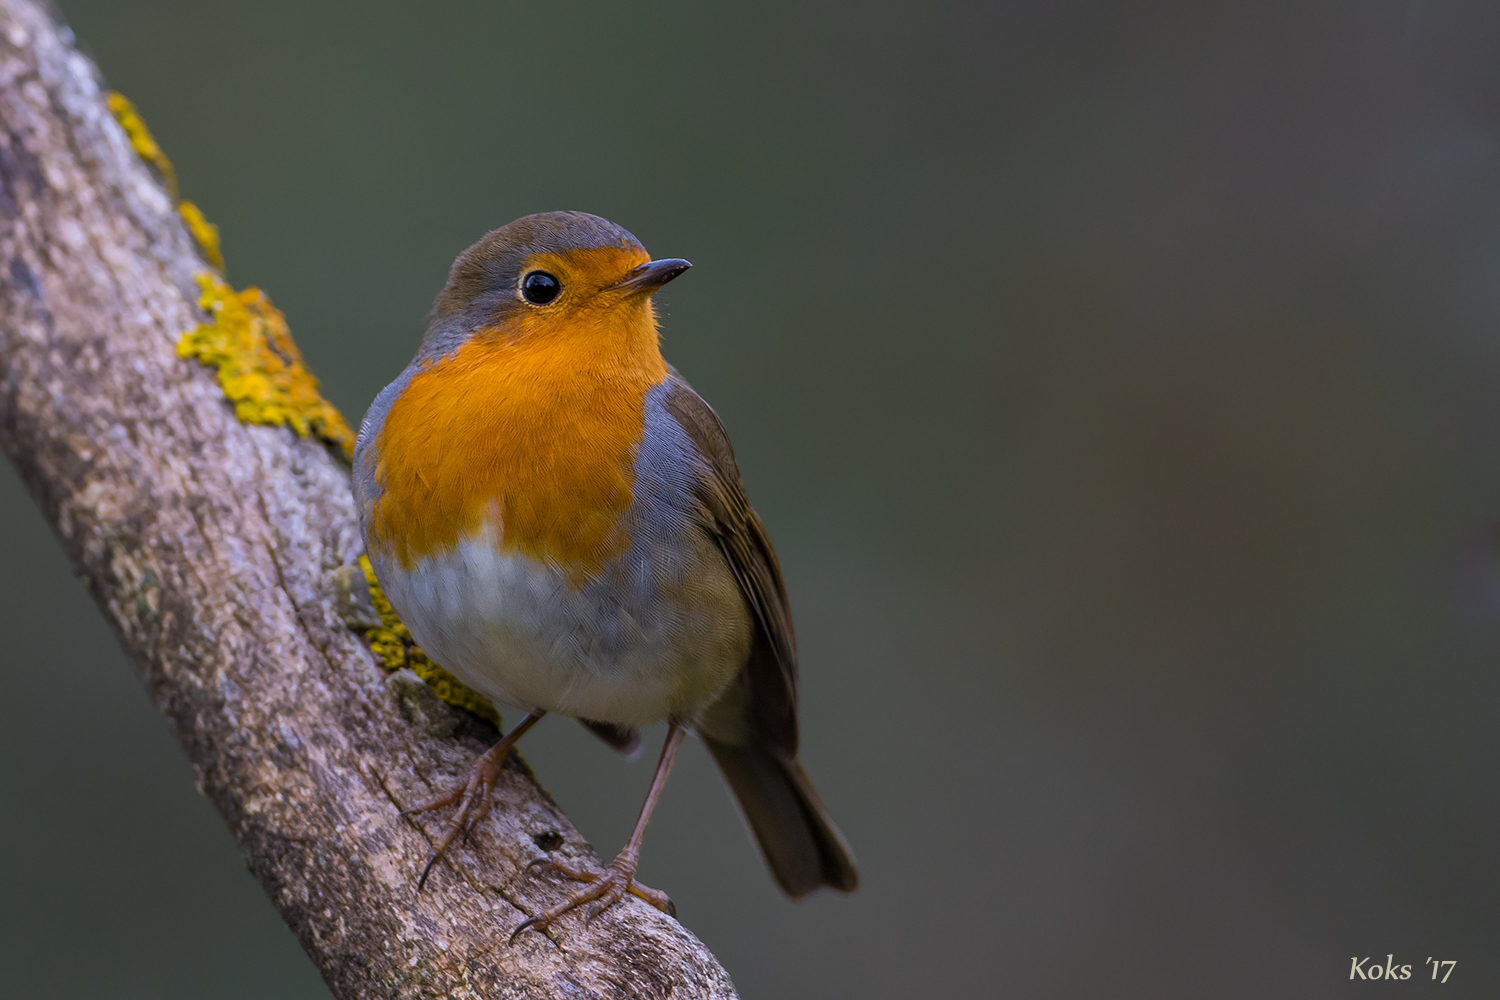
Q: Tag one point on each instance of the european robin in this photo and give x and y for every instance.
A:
(558, 519)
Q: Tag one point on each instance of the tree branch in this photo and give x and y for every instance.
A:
(212, 546)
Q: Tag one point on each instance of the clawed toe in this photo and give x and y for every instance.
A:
(535, 921)
(612, 895)
(432, 859)
(473, 802)
(437, 803)
(602, 889)
(565, 869)
(473, 796)
(655, 897)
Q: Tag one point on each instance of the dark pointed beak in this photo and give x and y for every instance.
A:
(651, 275)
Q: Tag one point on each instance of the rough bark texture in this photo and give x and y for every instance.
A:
(211, 546)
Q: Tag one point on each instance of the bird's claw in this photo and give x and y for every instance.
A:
(602, 889)
(534, 921)
(437, 803)
(432, 857)
(473, 798)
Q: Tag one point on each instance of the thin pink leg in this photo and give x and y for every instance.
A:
(609, 886)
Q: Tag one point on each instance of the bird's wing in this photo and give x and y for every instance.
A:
(765, 691)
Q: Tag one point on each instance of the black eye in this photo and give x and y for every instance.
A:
(539, 287)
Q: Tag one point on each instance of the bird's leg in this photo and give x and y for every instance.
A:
(608, 887)
(473, 796)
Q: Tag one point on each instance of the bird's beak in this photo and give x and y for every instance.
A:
(651, 275)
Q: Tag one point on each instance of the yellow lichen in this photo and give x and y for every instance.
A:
(260, 369)
(141, 139)
(393, 646)
(205, 233)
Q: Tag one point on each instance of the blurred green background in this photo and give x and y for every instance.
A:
(1120, 384)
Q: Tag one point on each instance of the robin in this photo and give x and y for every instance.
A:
(558, 519)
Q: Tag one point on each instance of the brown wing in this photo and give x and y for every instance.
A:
(751, 731)
(768, 681)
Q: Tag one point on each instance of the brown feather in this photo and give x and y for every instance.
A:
(770, 674)
(624, 740)
(751, 730)
(802, 847)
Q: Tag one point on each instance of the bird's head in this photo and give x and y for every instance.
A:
(551, 275)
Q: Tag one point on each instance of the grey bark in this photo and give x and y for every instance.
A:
(211, 546)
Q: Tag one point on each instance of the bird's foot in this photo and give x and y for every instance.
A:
(473, 798)
(603, 889)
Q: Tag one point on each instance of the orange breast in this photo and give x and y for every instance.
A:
(535, 436)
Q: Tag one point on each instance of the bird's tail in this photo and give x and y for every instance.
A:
(801, 845)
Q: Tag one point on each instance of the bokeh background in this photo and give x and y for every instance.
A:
(1120, 384)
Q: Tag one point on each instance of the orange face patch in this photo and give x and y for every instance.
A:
(531, 429)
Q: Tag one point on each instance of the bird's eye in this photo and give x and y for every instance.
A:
(539, 287)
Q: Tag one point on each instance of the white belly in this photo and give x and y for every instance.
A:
(659, 634)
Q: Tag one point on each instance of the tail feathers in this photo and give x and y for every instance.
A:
(801, 845)
(624, 740)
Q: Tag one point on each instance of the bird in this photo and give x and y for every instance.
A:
(558, 519)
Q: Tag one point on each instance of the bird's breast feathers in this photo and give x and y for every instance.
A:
(533, 442)
(541, 535)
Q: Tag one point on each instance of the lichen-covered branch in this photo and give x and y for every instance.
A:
(220, 551)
